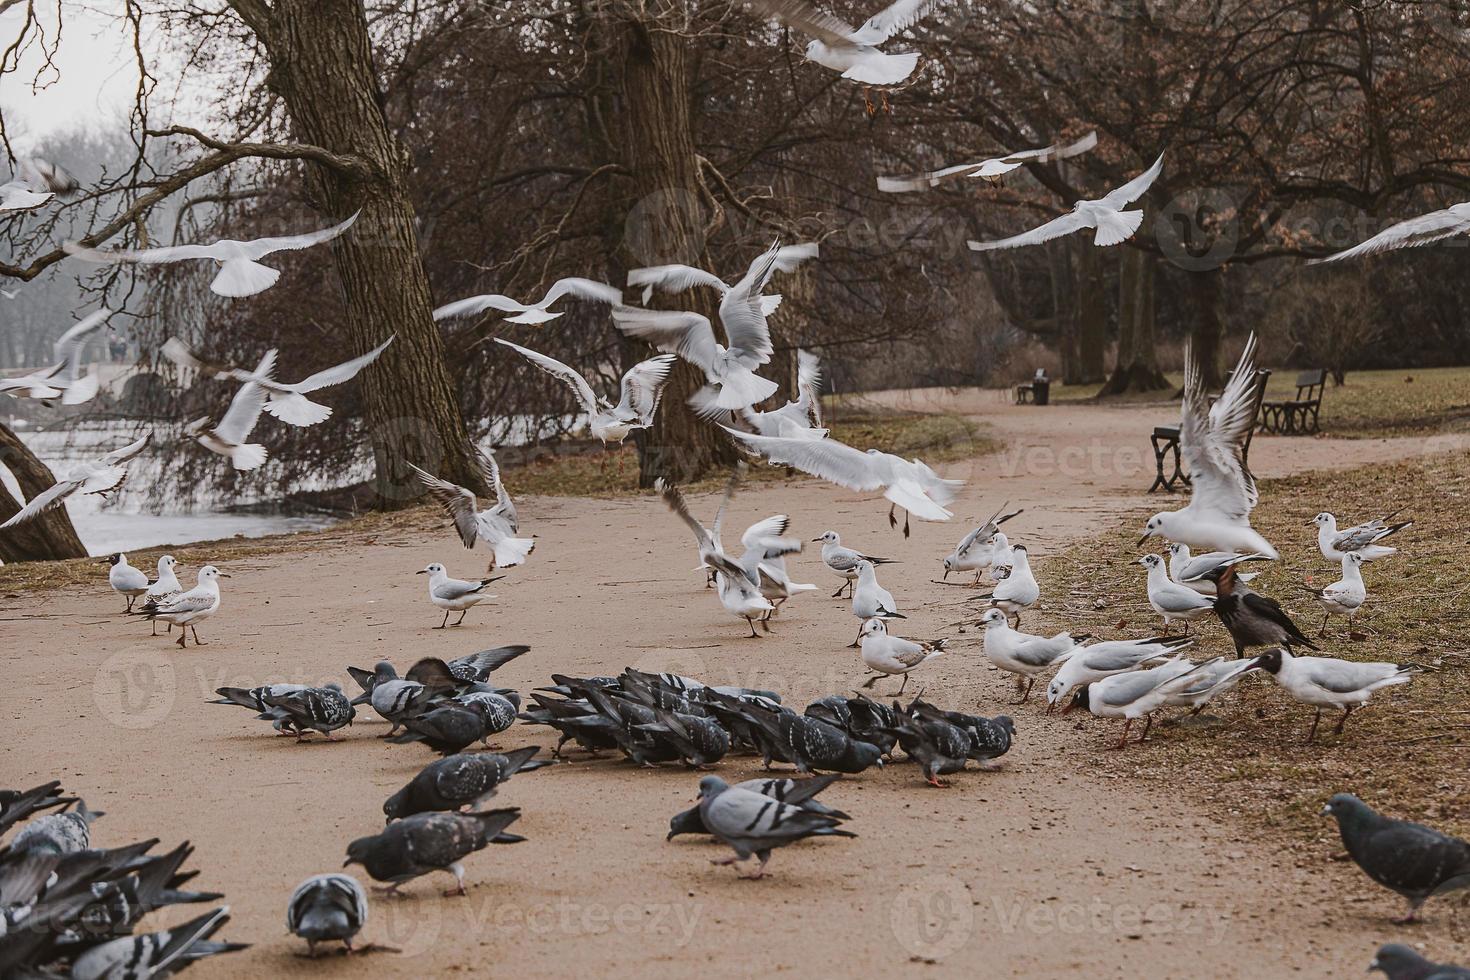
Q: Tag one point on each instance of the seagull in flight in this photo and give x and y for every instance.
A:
(642, 385)
(854, 52)
(101, 477)
(240, 272)
(991, 170)
(228, 438)
(34, 183)
(908, 483)
(730, 370)
(64, 379)
(538, 312)
(1427, 228)
(286, 402)
(496, 525)
(1105, 215)
(678, 278)
(1212, 442)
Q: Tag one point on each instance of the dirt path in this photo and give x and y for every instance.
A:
(1043, 869)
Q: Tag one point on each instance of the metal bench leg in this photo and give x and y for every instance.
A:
(1159, 452)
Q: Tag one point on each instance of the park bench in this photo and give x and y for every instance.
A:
(1298, 416)
(1037, 391)
(1165, 439)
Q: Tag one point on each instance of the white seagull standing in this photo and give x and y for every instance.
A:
(1427, 228)
(853, 52)
(842, 560)
(34, 183)
(125, 579)
(888, 655)
(240, 271)
(642, 385)
(991, 170)
(869, 599)
(1138, 694)
(1025, 654)
(187, 609)
(731, 369)
(539, 311)
(497, 525)
(1112, 224)
(454, 594)
(981, 548)
(1212, 442)
(165, 587)
(287, 402)
(678, 278)
(1345, 596)
(228, 438)
(1327, 682)
(908, 483)
(100, 477)
(64, 379)
(1172, 600)
(1018, 590)
(1360, 540)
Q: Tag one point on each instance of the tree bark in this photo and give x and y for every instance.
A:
(1089, 314)
(1138, 360)
(666, 225)
(1207, 300)
(45, 538)
(322, 67)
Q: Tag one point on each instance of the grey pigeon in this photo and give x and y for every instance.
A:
(755, 824)
(460, 781)
(318, 709)
(425, 842)
(497, 709)
(1416, 861)
(939, 747)
(155, 954)
(18, 804)
(327, 907)
(793, 792)
(255, 699)
(57, 833)
(701, 741)
(447, 729)
(990, 738)
(1399, 962)
(811, 744)
(393, 697)
(479, 666)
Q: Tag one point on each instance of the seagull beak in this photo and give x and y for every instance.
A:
(422, 571)
(225, 575)
(816, 539)
(1146, 536)
(1309, 524)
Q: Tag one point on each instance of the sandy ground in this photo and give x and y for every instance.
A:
(1044, 869)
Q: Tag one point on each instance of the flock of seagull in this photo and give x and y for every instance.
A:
(68, 907)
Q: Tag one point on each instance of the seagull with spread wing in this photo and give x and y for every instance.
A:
(1423, 230)
(34, 183)
(909, 484)
(642, 385)
(538, 312)
(240, 272)
(801, 419)
(1212, 442)
(730, 370)
(991, 170)
(228, 438)
(101, 477)
(496, 525)
(64, 379)
(1112, 225)
(678, 278)
(854, 52)
(287, 402)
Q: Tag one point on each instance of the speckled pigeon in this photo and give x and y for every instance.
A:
(327, 907)
(460, 781)
(793, 792)
(755, 824)
(426, 842)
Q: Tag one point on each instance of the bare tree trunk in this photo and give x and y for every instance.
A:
(1208, 334)
(1138, 359)
(1089, 313)
(45, 538)
(666, 225)
(321, 66)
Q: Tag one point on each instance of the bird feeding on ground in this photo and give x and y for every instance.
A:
(455, 594)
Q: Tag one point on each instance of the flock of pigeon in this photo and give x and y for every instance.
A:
(69, 908)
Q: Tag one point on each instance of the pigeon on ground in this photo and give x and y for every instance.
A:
(460, 781)
(479, 666)
(255, 699)
(17, 804)
(990, 738)
(939, 747)
(155, 954)
(792, 792)
(327, 907)
(57, 833)
(451, 727)
(755, 824)
(318, 709)
(397, 698)
(1416, 861)
(426, 842)
(810, 744)
(1399, 962)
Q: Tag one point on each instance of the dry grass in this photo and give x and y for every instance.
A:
(1407, 751)
(1372, 403)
